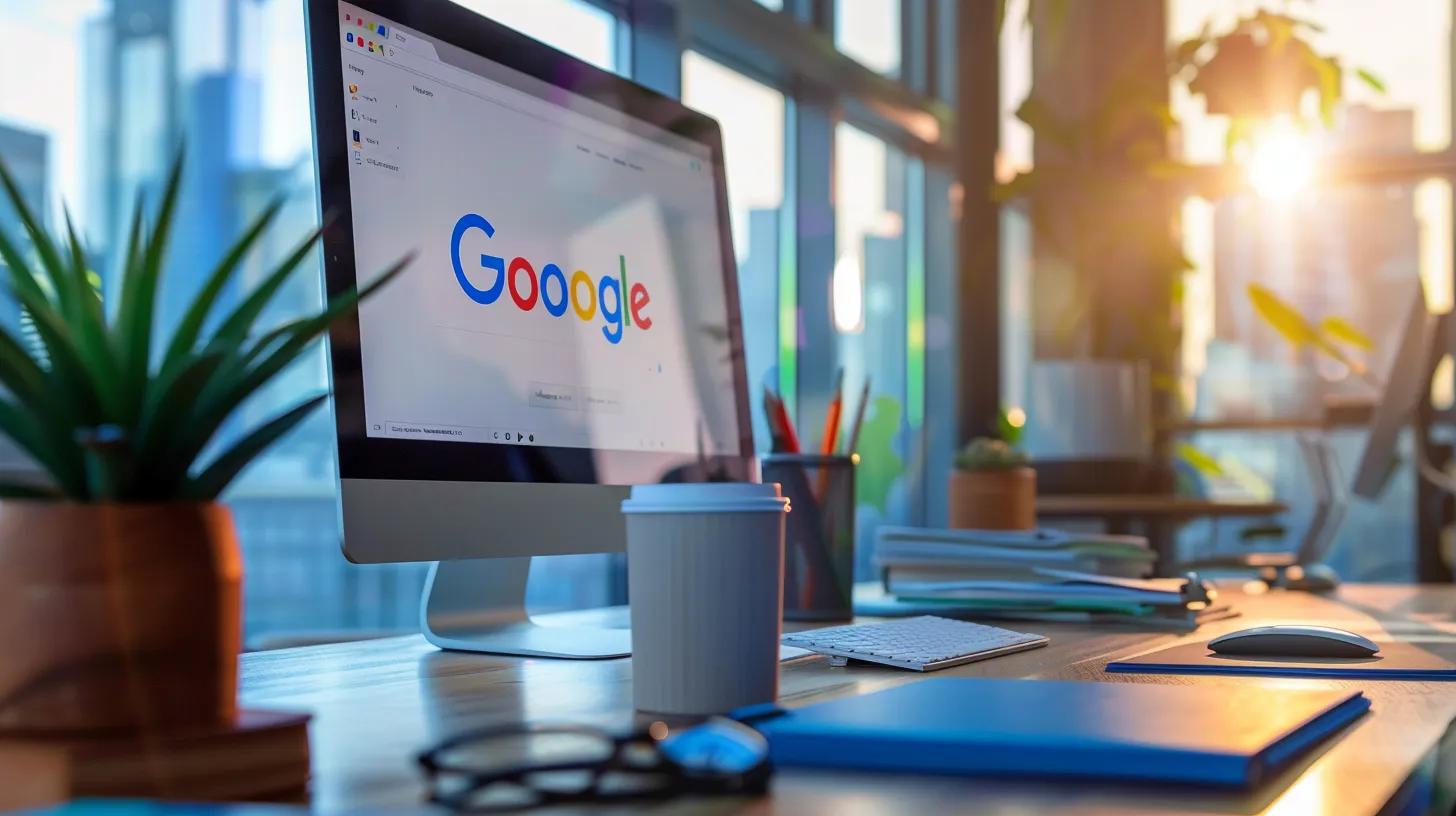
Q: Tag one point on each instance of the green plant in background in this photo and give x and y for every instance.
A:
(106, 417)
(984, 453)
(1263, 68)
(1002, 452)
(880, 466)
(1331, 336)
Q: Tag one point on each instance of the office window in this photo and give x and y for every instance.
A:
(80, 131)
(870, 309)
(752, 118)
(869, 31)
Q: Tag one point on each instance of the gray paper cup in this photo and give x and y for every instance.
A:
(705, 577)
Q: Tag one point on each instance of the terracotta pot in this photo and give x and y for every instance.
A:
(117, 617)
(993, 499)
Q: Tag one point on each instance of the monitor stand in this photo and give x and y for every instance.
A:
(479, 605)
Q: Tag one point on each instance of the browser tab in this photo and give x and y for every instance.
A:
(369, 34)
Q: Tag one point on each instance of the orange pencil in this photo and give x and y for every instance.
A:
(831, 434)
(831, 416)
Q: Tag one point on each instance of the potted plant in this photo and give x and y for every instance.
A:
(120, 573)
(992, 486)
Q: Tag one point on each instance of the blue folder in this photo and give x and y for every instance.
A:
(1233, 736)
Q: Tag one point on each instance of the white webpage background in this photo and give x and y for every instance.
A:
(437, 364)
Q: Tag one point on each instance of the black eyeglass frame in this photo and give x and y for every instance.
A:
(676, 779)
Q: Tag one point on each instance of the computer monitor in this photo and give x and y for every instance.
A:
(569, 325)
(1407, 382)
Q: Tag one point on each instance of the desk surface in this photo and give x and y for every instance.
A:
(377, 702)
(1150, 506)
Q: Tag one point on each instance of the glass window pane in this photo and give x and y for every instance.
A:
(752, 118)
(1013, 154)
(869, 31)
(580, 29)
(869, 310)
(81, 131)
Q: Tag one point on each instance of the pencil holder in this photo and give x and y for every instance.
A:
(819, 539)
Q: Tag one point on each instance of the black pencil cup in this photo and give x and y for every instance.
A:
(819, 539)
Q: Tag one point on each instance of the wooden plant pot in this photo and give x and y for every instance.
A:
(118, 617)
(993, 499)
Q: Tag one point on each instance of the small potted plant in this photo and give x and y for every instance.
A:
(120, 576)
(992, 486)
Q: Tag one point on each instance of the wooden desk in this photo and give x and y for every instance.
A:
(1154, 515)
(376, 703)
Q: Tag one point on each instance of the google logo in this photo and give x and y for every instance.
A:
(551, 289)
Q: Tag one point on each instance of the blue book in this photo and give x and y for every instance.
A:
(1234, 736)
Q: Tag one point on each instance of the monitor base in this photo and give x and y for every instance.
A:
(479, 605)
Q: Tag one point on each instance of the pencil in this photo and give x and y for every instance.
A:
(786, 425)
(859, 415)
(771, 415)
(832, 415)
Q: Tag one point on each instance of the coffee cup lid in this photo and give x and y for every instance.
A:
(708, 497)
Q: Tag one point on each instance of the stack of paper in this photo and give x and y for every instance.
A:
(1040, 575)
(910, 553)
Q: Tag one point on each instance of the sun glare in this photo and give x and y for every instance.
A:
(1281, 161)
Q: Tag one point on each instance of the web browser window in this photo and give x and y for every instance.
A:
(568, 285)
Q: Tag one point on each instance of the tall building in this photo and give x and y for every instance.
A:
(26, 155)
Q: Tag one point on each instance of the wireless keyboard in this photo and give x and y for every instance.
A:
(925, 643)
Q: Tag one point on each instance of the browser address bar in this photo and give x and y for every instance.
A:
(459, 79)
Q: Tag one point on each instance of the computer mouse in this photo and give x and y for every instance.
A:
(1292, 640)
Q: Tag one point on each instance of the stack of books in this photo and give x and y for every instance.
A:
(1040, 575)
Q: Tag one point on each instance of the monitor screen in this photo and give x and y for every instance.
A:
(568, 287)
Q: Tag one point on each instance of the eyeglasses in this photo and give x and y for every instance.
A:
(505, 769)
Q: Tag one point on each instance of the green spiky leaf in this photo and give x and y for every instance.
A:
(235, 327)
(134, 318)
(207, 485)
(189, 329)
(245, 373)
(90, 403)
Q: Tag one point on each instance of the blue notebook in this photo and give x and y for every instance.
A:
(1233, 736)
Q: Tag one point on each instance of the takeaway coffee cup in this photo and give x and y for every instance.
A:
(705, 575)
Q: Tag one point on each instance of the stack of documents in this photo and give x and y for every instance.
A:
(911, 553)
(1042, 575)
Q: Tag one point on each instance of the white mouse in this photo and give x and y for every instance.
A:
(1293, 640)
